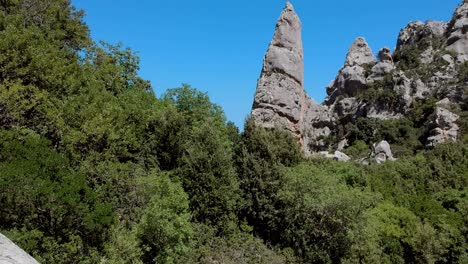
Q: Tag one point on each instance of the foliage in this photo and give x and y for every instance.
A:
(320, 209)
(61, 218)
(94, 168)
(164, 230)
(259, 156)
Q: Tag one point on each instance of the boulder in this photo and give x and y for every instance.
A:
(382, 152)
(12, 254)
(385, 55)
(444, 126)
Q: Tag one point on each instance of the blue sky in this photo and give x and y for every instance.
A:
(218, 46)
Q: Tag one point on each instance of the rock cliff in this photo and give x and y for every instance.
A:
(430, 63)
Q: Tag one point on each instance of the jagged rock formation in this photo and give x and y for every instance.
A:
(352, 77)
(382, 152)
(12, 254)
(427, 63)
(444, 125)
(457, 38)
(280, 97)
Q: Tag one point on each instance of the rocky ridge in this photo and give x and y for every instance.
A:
(429, 63)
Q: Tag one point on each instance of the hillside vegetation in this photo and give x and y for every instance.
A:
(95, 168)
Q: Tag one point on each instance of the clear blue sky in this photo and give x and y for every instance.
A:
(218, 46)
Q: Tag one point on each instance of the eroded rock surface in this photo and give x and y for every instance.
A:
(12, 254)
(445, 127)
(352, 77)
(457, 33)
(280, 99)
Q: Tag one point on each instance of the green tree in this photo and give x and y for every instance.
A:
(259, 156)
(164, 231)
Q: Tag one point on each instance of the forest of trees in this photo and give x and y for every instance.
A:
(95, 168)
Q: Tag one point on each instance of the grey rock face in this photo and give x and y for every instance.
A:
(415, 31)
(352, 77)
(457, 32)
(410, 34)
(382, 152)
(280, 98)
(385, 55)
(380, 70)
(361, 85)
(318, 123)
(359, 53)
(445, 128)
(12, 254)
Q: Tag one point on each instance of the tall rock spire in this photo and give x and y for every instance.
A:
(280, 96)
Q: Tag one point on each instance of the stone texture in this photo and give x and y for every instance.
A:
(444, 126)
(383, 67)
(359, 53)
(12, 254)
(280, 98)
(352, 77)
(382, 152)
(417, 30)
(457, 32)
(385, 55)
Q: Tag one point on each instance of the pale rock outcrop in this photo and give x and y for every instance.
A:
(410, 34)
(318, 123)
(364, 87)
(337, 155)
(385, 55)
(417, 30)
(346, 106)
(352, 77)
(12, 254)
(280, 98)
(414, 32)
(457, 32)
(444, 126)
(383, 67)
(382, 152)
(419, 89)
(342, 145)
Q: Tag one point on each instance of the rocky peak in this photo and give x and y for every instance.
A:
(385, 55)
(280, 98)
(420, 69)
(359, 53)
(417, 30)
(457, 32)
(352, 77)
